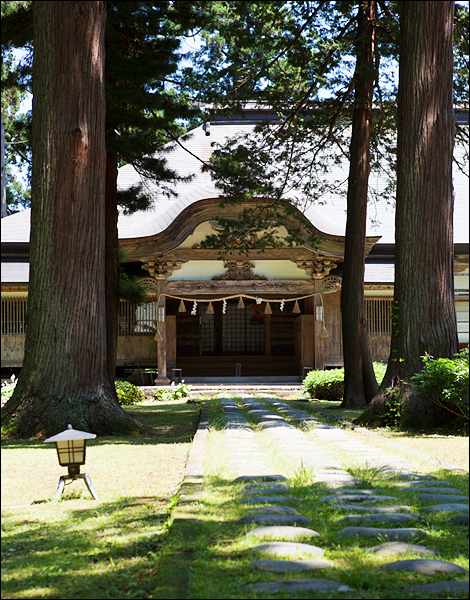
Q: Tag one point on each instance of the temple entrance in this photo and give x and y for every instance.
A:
(232, 329)
(231, 340)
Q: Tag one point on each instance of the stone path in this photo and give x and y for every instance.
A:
(282, 535)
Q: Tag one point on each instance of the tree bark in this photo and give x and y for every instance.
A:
(424, 319)
(360, 384)
(64, 377)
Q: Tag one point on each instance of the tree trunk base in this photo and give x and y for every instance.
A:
(28, 415)
(400, 406)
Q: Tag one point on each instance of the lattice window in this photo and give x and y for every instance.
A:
(14, 315)
(242, 330)
(378, 312)
(239, 332)
(461, 308)
(137, 319)
(207, 330)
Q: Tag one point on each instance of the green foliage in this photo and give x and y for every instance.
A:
(325, 385)
(329, 384)
(173, 392)
(393, 405)
(128, 393)
(130, 288)
(445, 381)
(7, 389)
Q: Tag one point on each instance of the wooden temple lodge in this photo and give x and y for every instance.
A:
(271, 315)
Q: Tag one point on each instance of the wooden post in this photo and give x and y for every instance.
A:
(319, 357)
(162, 378)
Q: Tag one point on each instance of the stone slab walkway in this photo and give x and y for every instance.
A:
(290, 544)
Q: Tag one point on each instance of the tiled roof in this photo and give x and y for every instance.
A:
(186, 158)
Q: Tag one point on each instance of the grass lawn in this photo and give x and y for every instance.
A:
(80, 547)
(128, 545)
(443, 444)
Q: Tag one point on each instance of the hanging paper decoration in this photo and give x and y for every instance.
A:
(194, 309)
(281, 307)
(241, 304)
(259, 300)
(224, 307)
(210, 309)
(182, 307)
(267, 310)
(296, 308)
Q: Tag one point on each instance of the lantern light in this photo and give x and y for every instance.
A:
(71, 447)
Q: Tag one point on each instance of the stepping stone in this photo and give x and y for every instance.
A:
(270, 519)
(442, 498)
(251, 478)
(432, 490)
(337, 483)
(352, 498)
(446, 506)
(283, 532)
(268, 499)
(276, 510)
(299, 585)
(263, 492)
(389, 534)
(289, 549)
(374, 509)
(405, 484)
(460, 519)
(450, 589)
(426, 566)
(289, 566)
(401, 548)
(264, 484)
(416, 477)
(355, 492)
(383, 518)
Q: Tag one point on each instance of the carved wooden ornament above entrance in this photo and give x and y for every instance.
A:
(238, 270)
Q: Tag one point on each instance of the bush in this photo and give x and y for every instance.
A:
(445, 381)
(174, 392)
(128, 393)
(325, 385)
(7, 388)
(329, 384)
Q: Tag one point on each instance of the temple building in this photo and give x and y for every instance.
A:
(273, 314)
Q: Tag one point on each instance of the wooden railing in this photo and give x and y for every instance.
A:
(378, 312)
(133, 320)
(14, 315)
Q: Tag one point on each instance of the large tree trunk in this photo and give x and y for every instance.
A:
(64, 377)
(360, 384)
(424, 319)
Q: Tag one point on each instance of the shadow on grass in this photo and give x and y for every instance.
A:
(124, 549)
(108, 551)
(220, 551)
(173, 422)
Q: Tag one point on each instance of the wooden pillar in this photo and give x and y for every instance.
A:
(318, 345)
(170, 332)
(162, 343)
